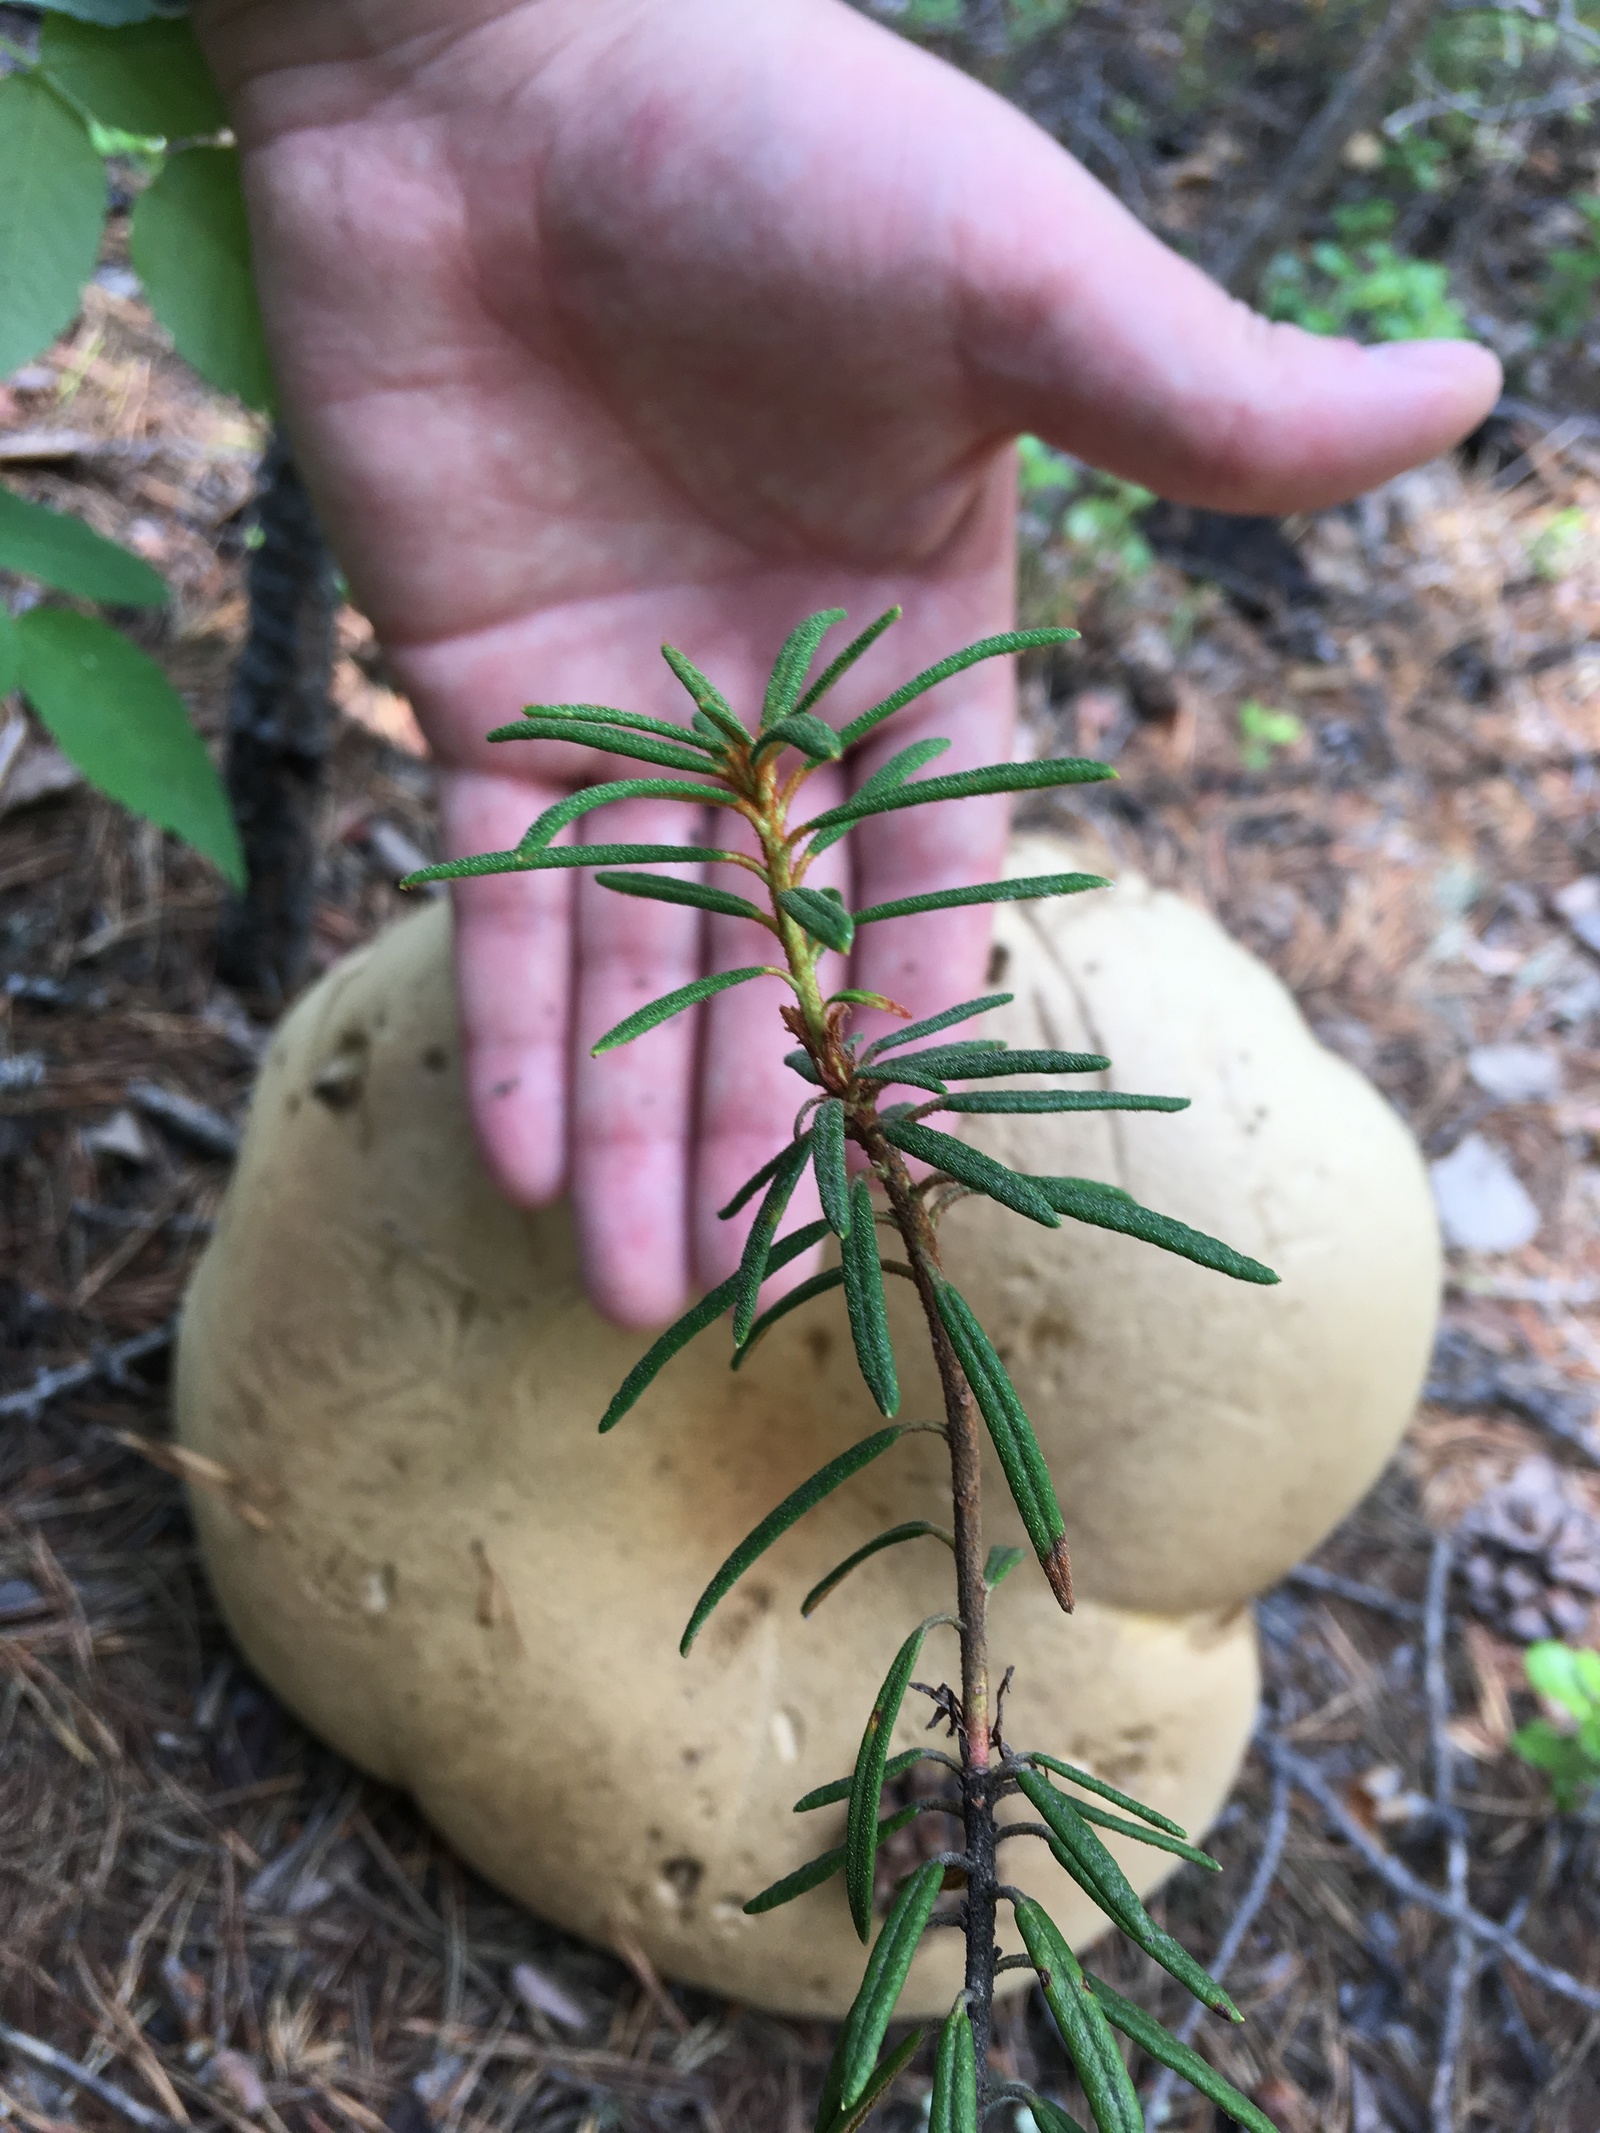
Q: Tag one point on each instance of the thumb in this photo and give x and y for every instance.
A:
(1088, 331)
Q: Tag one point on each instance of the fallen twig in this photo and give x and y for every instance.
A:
(1373, 1596)
(106, 2092)
(1436, 1682)
(108, 1363)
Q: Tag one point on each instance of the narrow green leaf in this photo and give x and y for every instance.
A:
(709, 700)
(802, 1063)
(823, 1868)
(1087, 1782)
(777, 1522)
(979, 1060)
(753, 1266)
(848, 657)
(710, 745)
(1021, 890)
(827, 1157)
(866, 1784)
(555, 857)
(887, 1965)
(930, 677)
(1001, 1562)
(832, 1795)
(190, 245)
(1050, 2117)
(963, 785)
(824, 917)
(667, 889)
(1145, 2031)
(588, 797)
(10, 652)
(1027, 1475)
(614, 740)
(806, 1292)
(1142, 1834)
(52, 210)
(954, 2104)
(970, 1166)
(147, 78)
(887, 1071)
(863, 1295)
(753, 1184)
(931, 1027)
(674, 1003)
(913, 1529)
(62, 551)
(115, 713)
(884, 779)
(856, 997)
(1079, 1850)
(810, 735)
(789, 668)
(1078, 2015)
(1023, 1101)
(1108, 1209)
(879, 2082)
(695, 1320)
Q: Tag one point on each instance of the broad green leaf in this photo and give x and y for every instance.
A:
(880, 2081)
(931, 1027)
(866, 1783)
(930, 677)
(1078, 2015)
(1087, 1782)
(839, 1790)
(1557, 1671)
(673, 1003)
(615, 740)
(1001, 1562)
(1023, 889)
(913, 1529)
(1050, 2117)
(1079, 1850)
(709, 745)
(695, 1320)
(823, 1868)
(805, 1292)
(778, 1521)
(827, 1159)
(971, 1167)
(810, 735)
(190, 245)
(823, 916)
(115, 713)
(884, 779)
(1562, 1758)
(667, 889)
(1023, 1463)
(953, 2107)
(709, 700)
(588, 797)
(1145, 2031)
(864, 1300)
(873, 2008)
(61, 551)
(1038, 1100)
(753, 1184)
(557, 856)
(52, 210)
(146, 78)
(1108, 1209)
(789, 668)
(982, 1059)
(754, 1266)
(963, 785)
(847, 658)
(10, 653)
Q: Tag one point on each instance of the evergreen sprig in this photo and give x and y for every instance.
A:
(760, 773)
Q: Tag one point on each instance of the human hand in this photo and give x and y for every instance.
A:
(600, 322)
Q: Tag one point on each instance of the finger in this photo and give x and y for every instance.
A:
(631, 1107)
(1088, 330)
(513, 971)
(748, 1098)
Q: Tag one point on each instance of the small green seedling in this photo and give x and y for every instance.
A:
(1568, 1750)
(1263, 731)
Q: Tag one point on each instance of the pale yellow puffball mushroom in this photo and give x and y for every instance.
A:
(430, 1553)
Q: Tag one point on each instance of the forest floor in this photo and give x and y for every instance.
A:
(209, 1918)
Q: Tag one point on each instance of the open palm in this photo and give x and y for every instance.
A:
(606, 321)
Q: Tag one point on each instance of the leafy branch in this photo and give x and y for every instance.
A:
(760, 775)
